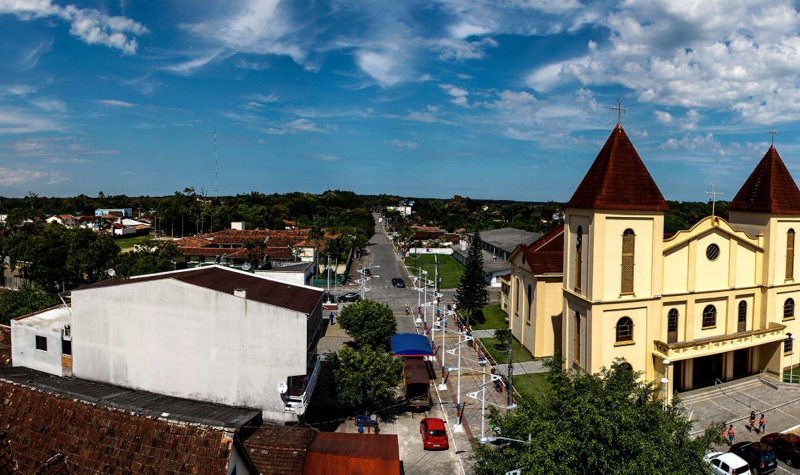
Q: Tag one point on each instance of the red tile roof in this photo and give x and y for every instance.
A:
(279, 450)
(222, 279)
(618, 180)
(336, 453)
(64, 435)
(5, 346)
(275, 243)
(546, 254)
(769, 189)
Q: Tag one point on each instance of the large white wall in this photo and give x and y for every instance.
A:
(183, 340)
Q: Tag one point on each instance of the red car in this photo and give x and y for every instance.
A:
(434, 434)
(787, 447)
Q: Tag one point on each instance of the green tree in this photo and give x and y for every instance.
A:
(365, 377)
(471, 294)
(151, 257)
(369, 322)
(609, 422)
(28, 299)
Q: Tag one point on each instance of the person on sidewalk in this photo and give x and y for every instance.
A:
(762, 425)
(752, 421)
(330, 317)
(730, 435)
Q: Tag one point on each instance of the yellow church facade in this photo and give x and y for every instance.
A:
(715, 302)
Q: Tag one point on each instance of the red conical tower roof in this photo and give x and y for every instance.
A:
(769, 189)
(618, 180)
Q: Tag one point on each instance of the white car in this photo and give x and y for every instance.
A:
(727, 463)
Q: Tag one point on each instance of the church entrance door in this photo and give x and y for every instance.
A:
(706, 370)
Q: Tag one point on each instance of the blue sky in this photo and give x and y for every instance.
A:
(503, 99)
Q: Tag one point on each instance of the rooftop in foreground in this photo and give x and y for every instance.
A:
(139, 402)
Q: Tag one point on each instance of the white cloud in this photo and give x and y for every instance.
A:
(383, 66)
(325, 157)
(663, 117)
(88, 24)
(297, 126)
(50, 105)
(115, 103)
(14, 121)
(403, 144)
(17, 176)
(739, 56)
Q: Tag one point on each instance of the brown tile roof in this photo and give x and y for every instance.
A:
(5, 346)
(769, 189)
(618, 180)
(278, 449)
(56, 434)
(340, 453)
(222, 279)
(546, 255)
(275, 243)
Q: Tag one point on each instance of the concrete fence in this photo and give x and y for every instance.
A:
(431, 250)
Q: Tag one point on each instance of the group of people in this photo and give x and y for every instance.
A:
(729, 434)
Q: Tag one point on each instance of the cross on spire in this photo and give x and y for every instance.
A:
(773, 133)
(714, 194)
(620, 110)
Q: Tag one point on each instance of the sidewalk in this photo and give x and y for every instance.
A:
(528, 367)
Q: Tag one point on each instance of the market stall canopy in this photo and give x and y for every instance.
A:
(411, 344)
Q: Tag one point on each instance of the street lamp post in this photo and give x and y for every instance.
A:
(474, 395)
(665, 381)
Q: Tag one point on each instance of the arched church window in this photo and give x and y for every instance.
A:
(709, 316)
(628, 244)
(624, 329)
(788, 309)
(790, 254)
(530, 302)
(577, 343)
(578, 259)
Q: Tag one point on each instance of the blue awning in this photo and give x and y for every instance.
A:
(411, 344)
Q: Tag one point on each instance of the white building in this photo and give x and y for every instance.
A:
(211, 333)
(39, 341)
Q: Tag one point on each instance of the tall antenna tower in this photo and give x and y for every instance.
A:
(216, 166)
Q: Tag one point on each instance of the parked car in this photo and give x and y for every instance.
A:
(398, 282)
(758, 455)
(434, 434)
(786, 446)
(726, 463)
(350, 297)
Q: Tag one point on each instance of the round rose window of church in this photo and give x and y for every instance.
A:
(712, 252)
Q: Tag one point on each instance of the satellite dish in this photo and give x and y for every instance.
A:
(247, 266)
(282, 387)
(111, 272)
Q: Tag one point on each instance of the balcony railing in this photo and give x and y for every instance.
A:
(719, 344)
(297, 399)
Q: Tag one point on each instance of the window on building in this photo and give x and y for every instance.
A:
(742, 317)
(577, 343)
(530, 302)
(628, 244)
(516, 297)
(672, 320)
(788, 309)
(624, 329)
(41, 343)
(788, 345)
(578, 259)
(66, 347)
(709, 316)
(625, 366)
(790, 254)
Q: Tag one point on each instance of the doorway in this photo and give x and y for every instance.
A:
(741, 363)
(706, 370)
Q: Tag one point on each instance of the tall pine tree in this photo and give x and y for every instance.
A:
(471, 294)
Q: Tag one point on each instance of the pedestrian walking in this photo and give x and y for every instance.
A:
(752, 421)
(762, 425)
(330, 317)
(730, 435)
(724, 436)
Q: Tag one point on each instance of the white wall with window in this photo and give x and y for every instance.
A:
(36, 340)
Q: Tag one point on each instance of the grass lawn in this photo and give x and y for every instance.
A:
(126, 244)
(495, 318)
(530, 385)
(795, 375)
(449, 269)
(520, 354)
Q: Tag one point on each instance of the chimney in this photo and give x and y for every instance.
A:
(240, 293)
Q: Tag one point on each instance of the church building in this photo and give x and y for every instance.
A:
(716, 301)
